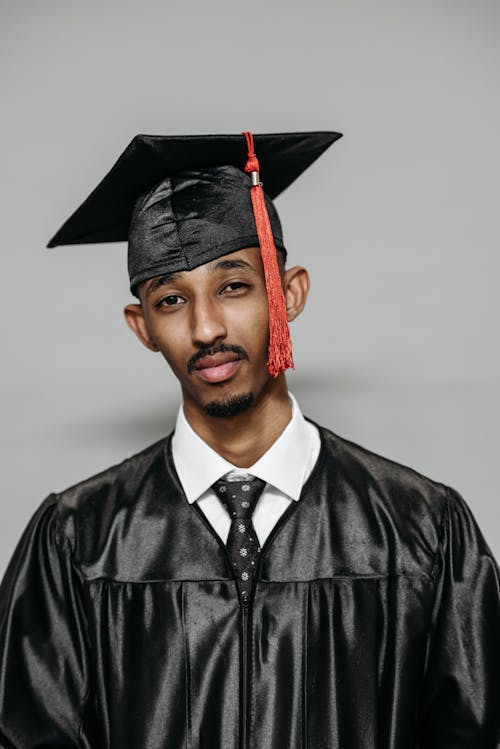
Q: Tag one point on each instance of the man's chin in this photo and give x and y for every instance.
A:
(229, 406)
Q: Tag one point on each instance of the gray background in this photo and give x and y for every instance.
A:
(398, 223)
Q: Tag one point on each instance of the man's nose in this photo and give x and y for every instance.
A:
(207, 323)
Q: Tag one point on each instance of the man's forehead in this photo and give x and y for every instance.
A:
(248, 260)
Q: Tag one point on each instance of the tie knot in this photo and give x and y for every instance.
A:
(239, 497)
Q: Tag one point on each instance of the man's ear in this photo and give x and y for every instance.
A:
(134, 316)
(295, 289)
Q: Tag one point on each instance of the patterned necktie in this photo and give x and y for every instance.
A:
(239, 499)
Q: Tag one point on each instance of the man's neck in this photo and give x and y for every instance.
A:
(243, 438)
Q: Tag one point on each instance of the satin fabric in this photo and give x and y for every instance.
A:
(192, 218)
(105, 215)
(374, 621)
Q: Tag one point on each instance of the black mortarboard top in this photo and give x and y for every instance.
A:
(105, 216)
(182, 201)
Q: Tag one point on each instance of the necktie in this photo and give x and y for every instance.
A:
(239, 499)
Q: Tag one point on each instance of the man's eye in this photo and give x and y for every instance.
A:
(172, 300)
(235, 286)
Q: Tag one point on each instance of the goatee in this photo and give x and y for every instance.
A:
(231, 406)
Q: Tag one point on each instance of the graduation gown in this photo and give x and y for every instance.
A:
(374, 619)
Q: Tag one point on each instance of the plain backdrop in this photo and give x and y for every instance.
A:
(398, 223)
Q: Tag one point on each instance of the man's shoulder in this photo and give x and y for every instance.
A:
(399, 487)
(119, 483)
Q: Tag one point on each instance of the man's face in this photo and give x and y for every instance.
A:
(211, 325)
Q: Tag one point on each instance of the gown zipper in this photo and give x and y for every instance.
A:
(244, 675)
(246, 612)
(246, 606)
(244, 616)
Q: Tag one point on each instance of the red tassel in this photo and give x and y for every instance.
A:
(280, 345)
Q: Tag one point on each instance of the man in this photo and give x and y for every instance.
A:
(253, 580)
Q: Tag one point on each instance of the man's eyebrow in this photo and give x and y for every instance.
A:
(167, 278)
(162, 281)
(232, 264)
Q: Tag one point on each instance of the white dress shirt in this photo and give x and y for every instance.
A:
(285, 467)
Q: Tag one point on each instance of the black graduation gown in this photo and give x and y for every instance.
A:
(374, 621)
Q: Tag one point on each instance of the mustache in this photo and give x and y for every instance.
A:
(222, 348)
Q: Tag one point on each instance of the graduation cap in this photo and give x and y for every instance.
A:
(182, 201)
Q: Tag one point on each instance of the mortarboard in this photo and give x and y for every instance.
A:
(182, 201)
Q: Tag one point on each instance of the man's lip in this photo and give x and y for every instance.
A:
(216, 360)
(220, 372)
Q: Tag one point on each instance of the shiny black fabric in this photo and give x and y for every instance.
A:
(374, 621)
(182, 201)
(192, 218)
(148, 159)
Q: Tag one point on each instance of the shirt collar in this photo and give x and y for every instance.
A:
(283, 465)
